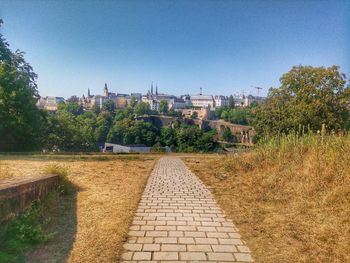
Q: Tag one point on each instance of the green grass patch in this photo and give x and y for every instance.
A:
(27, 230)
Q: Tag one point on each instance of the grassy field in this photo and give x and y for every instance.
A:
(91, 224)
(289, 198)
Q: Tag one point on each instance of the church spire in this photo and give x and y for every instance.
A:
(152, 88)
(105, 91)
(88, 92)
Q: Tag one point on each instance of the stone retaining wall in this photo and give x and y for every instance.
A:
(17, 194)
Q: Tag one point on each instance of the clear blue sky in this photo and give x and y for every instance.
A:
(223, 46)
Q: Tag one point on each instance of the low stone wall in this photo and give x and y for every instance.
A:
(17, 194)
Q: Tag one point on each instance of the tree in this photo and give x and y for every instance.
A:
(193, 139)
(206, 142)
(73, 98)
(128, 131)
(163, 107)
(168, 137)
(174, 113)
(227, 135)
(72, 107)
(194, 115)
(231, 102)
(21, 122)
(142, 108)
(132, 102)
(109, 106)
(308, 96)
(239, 115)
(66, 132)
(219, 110)
(103, 124)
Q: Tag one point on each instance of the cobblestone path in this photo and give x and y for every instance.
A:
(178, 220)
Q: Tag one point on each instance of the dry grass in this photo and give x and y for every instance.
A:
(92, 224)
(290, 200)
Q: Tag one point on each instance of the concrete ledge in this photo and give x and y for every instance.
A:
(17, 194)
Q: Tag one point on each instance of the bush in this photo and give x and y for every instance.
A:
(64, 186)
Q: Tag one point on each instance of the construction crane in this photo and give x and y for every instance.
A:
(258, 89)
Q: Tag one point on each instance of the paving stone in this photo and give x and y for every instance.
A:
(143, 240)
(135, 233)
(127, 255)
(178, 220)
(224, 248)
(146, 228)
(151, 247)
(142, 256)
(211, 241)
(133, 247)
(232, 241)
(206, 228)
(156, 233)
(243, 249)
(186, 228)
(176, 233)
(218, 234)
(168, 228)
(199, 248)
(165, 240)
(244, 257)
(186, 240)
(192, 256)
(221, 256)
(174, 247)
(165, 256)
(234, 235)
(194, 234)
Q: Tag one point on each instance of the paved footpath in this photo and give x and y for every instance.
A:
(178, 220)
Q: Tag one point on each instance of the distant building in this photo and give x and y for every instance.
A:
(177, 103)
(154, 99)
(154, 104)
(117, 148)
(49, 103)
(98, 100)
(187, 99)
(239, 100)
(136, 96)
(248, 100)
(121, 101)
(221, 101)
(203, 101)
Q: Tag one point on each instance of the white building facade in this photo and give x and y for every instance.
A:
(203, 101)
(221, 101)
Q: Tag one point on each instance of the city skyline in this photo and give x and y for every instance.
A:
(225, 47)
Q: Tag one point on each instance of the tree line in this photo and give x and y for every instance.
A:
(73, 129)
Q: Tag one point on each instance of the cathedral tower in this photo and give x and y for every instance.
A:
(105, 91)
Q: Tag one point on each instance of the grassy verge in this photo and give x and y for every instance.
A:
(30, 228)
(290, 197)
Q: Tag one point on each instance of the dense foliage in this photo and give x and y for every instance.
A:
(71, 130)
(20, 119)
(307, 98)
(237, 115)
